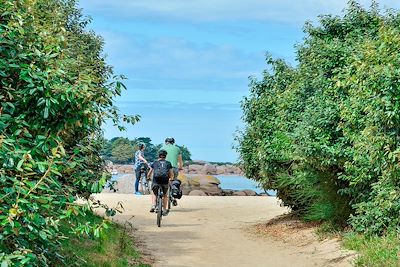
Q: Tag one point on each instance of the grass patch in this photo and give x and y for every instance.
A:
(375, 250)
(114, 248)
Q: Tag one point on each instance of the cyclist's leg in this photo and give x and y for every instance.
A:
(154, 188)
(165, 197)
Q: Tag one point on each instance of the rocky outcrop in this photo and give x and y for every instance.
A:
(198, 167)
(192, 185)
(206, 183)
(212, 169)
(209, 185)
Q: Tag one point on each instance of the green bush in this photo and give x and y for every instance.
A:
(325, 134)
(56, 92)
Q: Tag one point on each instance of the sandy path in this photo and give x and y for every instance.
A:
(211, 231)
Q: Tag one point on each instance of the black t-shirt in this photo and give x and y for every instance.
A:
(161, 170)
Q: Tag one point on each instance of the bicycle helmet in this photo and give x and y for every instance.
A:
(170, 140)
(162, 153)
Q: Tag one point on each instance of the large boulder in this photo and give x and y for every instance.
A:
(185, 185)
(211, 190)
(204, 179)
(207, 183)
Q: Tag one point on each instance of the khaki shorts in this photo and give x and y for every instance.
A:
(155, 187)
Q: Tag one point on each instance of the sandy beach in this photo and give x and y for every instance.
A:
(216, 231)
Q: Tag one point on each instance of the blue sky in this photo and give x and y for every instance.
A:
(188, 62)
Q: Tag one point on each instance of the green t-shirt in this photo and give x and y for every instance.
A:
(173, 152)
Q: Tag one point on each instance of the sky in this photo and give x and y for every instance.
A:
(188, 62)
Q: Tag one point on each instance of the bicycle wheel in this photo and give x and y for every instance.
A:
(146, 187)
(159, 206)
(142, 187)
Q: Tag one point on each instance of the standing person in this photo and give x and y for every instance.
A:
(174, 155)
(162, 174)
(139, 161)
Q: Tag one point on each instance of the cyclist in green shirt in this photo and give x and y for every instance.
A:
(174, 155)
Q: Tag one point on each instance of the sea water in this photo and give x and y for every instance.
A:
(237, 182)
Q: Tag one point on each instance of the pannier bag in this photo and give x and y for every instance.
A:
(176, 191)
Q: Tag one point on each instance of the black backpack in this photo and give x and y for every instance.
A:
(176, 189)
(161, 171)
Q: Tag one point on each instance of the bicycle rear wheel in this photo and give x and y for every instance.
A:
(159, 207)
(142, 185)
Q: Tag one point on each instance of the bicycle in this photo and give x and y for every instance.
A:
(159, 205)
(144, 182)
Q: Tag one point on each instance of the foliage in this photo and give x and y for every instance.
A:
(374, 250)
(121, 150)
(186, 155)
(325, 134)
(56, 92)
(115, 247)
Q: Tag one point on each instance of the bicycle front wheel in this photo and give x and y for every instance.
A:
(159, 211)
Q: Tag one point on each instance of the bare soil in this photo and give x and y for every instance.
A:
(226, 231)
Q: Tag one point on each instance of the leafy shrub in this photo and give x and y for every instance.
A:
(56, 92)
(326, 133)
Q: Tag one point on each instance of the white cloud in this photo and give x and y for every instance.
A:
(179, 59)
(288, 11)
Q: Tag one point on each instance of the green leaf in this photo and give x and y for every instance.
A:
(20, 164)
(43, 235)
(46, 113)
(42, 166)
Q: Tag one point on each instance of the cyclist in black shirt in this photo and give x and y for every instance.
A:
(162, 174)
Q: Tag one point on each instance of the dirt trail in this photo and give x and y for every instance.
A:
(213, 231)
